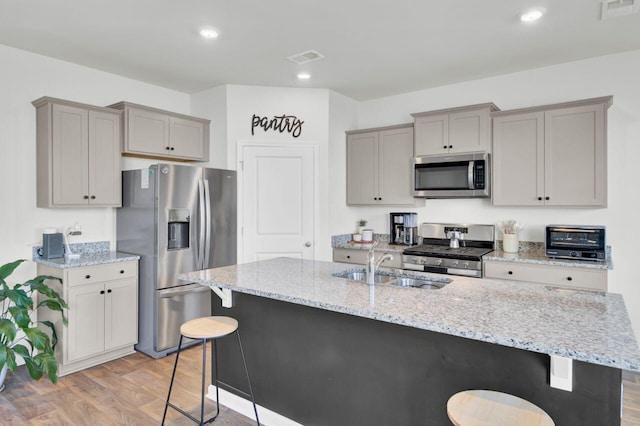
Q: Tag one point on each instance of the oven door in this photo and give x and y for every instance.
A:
(451, 176)
(574, 238)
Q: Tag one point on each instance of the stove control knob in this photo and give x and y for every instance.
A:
(465, 265)
(414, 259)
(423, 261)
(455, 263)
(439, 262)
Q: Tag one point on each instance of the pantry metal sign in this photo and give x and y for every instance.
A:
(281, 123)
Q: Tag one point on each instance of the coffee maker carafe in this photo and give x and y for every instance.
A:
(404, 228)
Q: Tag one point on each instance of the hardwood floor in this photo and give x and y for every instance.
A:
(133, 389)
(129, 391)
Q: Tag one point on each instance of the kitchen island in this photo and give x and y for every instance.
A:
(327, 350)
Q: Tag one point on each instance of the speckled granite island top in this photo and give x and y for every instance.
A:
(97, 253)
(585, 326)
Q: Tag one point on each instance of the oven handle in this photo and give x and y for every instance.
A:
(470, 174)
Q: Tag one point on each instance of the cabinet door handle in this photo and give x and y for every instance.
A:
(93, 197)
(450, 146)
(101, 291)
(547, 198)
(86, 197)
(172, 148)
(348, 257)
(539, 198)
(87, 276)
(569, 279)
(109, 291)
(122, 271)
(167, 148)
(445, 147)
(510, 272)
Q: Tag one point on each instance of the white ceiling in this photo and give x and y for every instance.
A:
(373, 48)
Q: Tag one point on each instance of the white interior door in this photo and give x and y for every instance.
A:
(278, 193)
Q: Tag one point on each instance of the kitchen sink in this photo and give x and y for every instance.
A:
(418, 283)
(362, 276)
(395, 280)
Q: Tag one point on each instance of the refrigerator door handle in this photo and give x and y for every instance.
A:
(209, 232)
(182, 293)
(201, 226)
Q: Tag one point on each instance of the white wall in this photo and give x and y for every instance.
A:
(212, 104)
(25, 77)
(615, 75)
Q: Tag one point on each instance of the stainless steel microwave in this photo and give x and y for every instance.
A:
(452, 176)
(576, 242)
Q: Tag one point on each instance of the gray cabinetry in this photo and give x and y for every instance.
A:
(553, 155)
(102, 316)
(78, 154)
(379, 166)
(454, 130)
(154, 133)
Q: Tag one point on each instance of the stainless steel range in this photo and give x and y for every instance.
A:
(450, 248)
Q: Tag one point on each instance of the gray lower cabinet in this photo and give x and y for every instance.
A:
(454, 130)
(553, 155)
(78, 154)
(552, 275)
(154, 133)
(359, 257)
(379, 166)
(102, 316)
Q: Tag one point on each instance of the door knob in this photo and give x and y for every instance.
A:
(307, 244)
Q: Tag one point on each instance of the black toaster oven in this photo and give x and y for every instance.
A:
(576, 242)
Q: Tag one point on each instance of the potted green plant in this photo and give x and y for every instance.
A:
(361, 224)
(19, 334)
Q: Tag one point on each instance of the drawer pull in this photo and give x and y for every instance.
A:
(87, 276)
(569, 279)
(122, 271)
(109, 291)
(101, 291)
(510, 272)
(348, 257)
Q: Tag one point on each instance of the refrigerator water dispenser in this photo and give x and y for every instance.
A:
(178, 229)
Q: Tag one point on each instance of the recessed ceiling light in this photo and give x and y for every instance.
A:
(533, 14)
(208, 33)
(304, 76)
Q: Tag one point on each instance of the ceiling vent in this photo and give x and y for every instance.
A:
(616, 8)
(304, 57)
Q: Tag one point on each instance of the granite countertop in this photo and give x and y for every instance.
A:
(97, 253)
(345, 241)
(534, 253)
(586, 326)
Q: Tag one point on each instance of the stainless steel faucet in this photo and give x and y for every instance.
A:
(373, 264)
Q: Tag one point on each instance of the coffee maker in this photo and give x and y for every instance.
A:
(404, 228)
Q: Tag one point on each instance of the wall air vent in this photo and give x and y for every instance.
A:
(617, 8)
(304, 57)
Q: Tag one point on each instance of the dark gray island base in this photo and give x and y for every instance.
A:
(319, 367)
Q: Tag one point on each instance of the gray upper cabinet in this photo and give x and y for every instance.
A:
(553, 155)
(454, 130)
(379, 166)
(78, 154)
(154, 133)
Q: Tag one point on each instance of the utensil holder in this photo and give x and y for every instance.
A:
(510, 243)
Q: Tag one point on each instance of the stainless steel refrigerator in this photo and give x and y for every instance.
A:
(178, 219)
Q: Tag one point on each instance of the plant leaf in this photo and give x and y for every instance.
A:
(7, 269)
(7, 357)
(54, 335)
(22, 350)
(34, 369)
(20, 298)
(20, 316)
(7, 329)
(49, 365)
(38, 339)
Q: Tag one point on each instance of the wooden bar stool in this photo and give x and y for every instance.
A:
(490, 408)
(208, 328)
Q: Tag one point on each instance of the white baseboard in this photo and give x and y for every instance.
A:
(245, 407)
